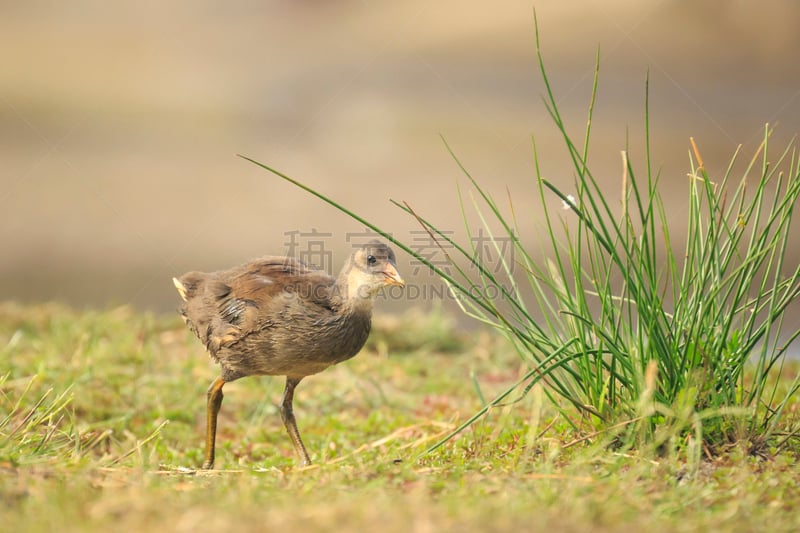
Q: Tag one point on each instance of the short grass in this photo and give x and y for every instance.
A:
(101, 419)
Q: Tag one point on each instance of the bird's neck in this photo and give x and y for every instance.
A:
(349, 296)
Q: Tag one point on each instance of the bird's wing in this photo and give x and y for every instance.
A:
(223, 307)
(265, 282)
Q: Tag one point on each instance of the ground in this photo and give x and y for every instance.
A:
(117, 440)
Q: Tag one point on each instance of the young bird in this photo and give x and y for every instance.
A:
(276, 316)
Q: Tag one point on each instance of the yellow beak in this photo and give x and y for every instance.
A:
(392, 276)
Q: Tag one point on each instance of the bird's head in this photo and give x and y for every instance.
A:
(370, 268)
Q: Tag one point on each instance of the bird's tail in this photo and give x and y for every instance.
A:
(181, 288)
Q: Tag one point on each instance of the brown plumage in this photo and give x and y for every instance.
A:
(276, 316)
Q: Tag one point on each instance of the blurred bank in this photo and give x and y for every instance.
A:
(119, 123)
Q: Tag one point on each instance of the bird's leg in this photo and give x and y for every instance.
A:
(212, 409)
(287, 415)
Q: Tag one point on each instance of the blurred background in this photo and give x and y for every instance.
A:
(120, 122)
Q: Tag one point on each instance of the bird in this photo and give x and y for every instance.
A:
(278, 316)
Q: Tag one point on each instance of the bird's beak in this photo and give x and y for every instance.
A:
(392, 276)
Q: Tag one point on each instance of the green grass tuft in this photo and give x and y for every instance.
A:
(644, 340)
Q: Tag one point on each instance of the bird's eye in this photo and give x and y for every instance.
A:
(371, 260)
